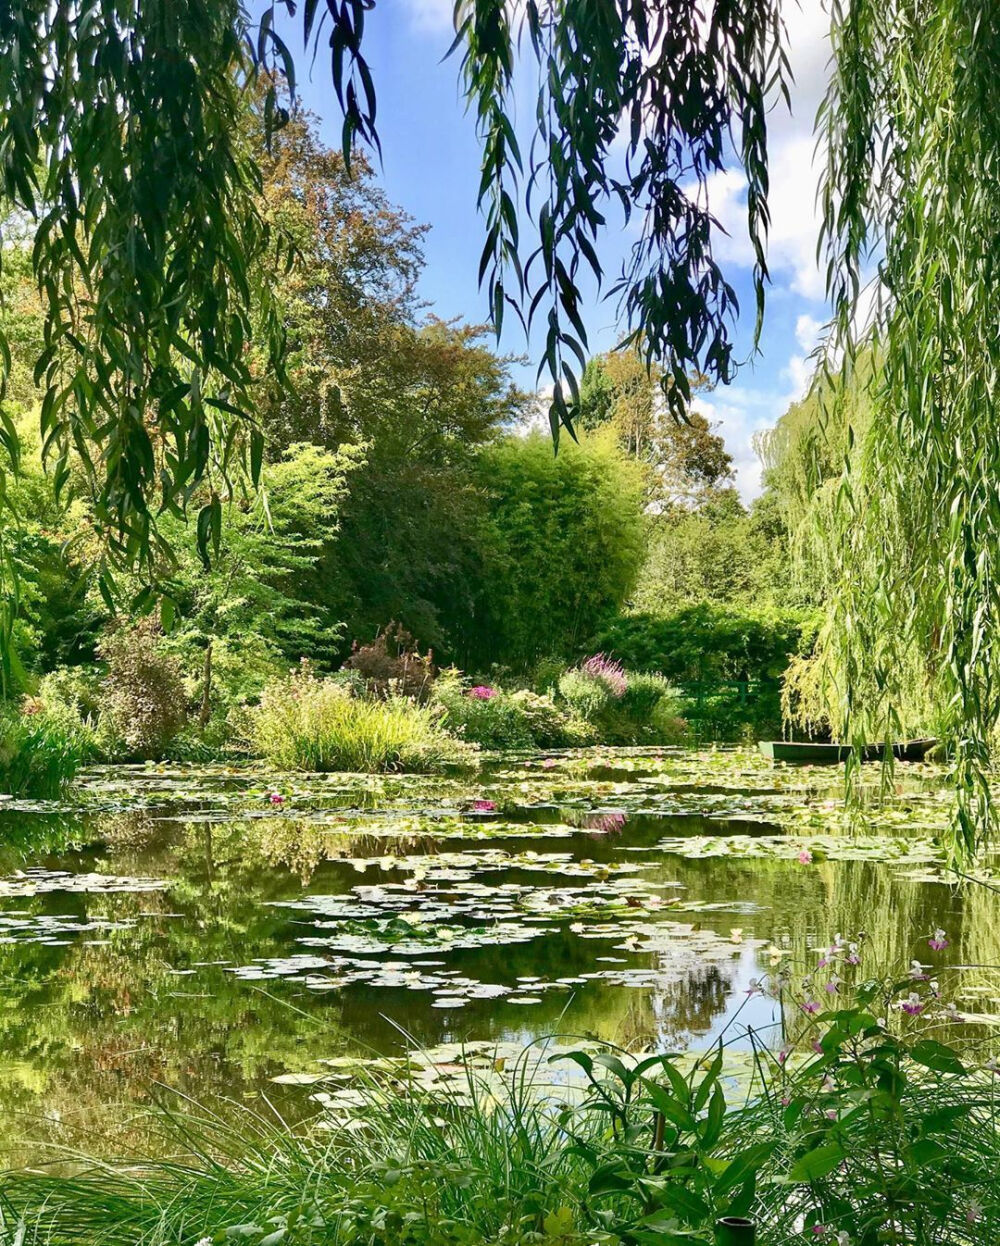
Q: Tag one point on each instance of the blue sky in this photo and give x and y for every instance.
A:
(430, 167)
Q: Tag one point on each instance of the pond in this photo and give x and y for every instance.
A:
(224, 933)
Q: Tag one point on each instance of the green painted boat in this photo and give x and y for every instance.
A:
(804, 752)
(811, 753)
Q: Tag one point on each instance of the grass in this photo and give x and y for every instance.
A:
(39, 754)
(307, 723)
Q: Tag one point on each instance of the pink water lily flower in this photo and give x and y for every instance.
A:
(276, 798)
(484, 806)
(805, 857)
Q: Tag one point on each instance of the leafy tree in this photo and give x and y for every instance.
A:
(409, 548)
(565, 542)
(717, 552)
(684, 457)
(911, 189)
(121, 126)
(238, 620)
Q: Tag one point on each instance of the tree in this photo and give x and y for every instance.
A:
(910, 126)
(410, 543)
(563, 547)
(120, 125)
(683, 457)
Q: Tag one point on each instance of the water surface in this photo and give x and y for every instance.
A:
(173, 929)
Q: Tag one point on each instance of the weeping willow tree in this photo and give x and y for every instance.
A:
(911, 204)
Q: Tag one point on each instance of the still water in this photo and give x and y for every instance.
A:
(208, 930)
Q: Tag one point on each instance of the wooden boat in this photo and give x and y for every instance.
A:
(804, 752)
(902, 750)
(811, 753)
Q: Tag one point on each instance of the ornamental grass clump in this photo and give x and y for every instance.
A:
(40, 753)
(304, 722)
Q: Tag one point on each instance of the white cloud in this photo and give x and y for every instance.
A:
(431, 15)
(794, 170)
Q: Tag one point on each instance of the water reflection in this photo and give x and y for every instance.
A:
(210, 953)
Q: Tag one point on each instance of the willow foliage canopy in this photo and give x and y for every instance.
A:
(912, 206)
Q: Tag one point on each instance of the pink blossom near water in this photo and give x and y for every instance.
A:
(484, 806)
(609, 672)
(481, 692)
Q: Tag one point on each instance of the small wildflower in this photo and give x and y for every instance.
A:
(833, 986)
(481, 692)
(853, 954)
(819, 1230)
(785, 1100)
(817, 1046)
(831, 1114)
(912, 1006)
(939, 941)
(782, 1057)
(756, 987)
(974, 1212)
(805, 857)
(810, 1006)
(951, 1011)
(917, 971)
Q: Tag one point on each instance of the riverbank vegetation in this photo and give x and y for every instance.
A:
(853, 1121)
(411, 521)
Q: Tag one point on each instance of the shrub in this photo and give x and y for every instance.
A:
(484, 715)
(144, 697)
(73, 690)
(307, 723)
(393, 665)
(623, 707)
(39, 754)
(727, 661)
(549, 725)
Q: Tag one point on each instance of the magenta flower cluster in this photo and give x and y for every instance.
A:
(481, 692)
(608, 672)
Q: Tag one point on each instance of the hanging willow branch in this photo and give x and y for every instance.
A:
(912, 123)
(639, 102)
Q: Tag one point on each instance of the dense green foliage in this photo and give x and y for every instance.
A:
(131, 174)
(303, 722)
(565, 545)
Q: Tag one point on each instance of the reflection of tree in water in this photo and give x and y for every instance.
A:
(686, 1009)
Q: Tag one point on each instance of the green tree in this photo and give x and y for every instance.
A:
(409, 547)
(121, 131)
(565, 542)
(684, 457)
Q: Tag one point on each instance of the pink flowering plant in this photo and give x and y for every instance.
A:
(868, 1117)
